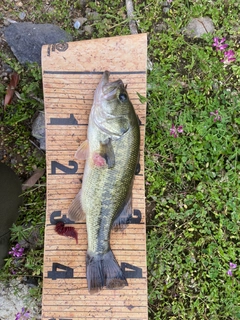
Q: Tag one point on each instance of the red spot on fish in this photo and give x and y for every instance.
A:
(66, 231)
(98, 160)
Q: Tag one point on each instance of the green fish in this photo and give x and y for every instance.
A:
(111, 152)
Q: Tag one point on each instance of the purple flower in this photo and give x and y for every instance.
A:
(229, 272)
(217, 116)
(22, 315)
(219, 44)
(229, 56)
(17, 251)
(232, 267)
(180, 129)
(174, 130)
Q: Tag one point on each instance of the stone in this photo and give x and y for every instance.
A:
(26, 39)
(77, 24)
(82, 20)
(38, 130)
(7, 68)
(7, 21)
(88, 29)
(22, 15)
(161, 27)
(166, 6)
(82, 3)
(92, 15)
(19, 4)
(149, 64)
(199, 26)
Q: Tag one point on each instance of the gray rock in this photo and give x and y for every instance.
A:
(161, 27)
(166, 6)
(92, 14)
(83, 2)
(77, 24)
(149, 64)
(26, 39)
(199, 26)
(88, 29)
(38, 130)
(7, 21)
(22, 15)
(82, 20)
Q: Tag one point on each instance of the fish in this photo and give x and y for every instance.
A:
(111, 152)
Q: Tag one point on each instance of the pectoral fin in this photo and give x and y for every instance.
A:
(75, 211)
(106, 151)
(82, 152)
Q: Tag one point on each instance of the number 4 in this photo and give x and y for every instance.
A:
(66, 273)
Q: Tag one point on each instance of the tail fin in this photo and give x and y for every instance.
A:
(103, 270)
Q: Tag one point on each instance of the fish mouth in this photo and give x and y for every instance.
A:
(110, 89)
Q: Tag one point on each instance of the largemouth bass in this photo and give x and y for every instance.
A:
(111, 152)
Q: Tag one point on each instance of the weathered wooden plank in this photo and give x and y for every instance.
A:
(70, 77)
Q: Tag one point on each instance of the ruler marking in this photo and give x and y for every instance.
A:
(92, 72)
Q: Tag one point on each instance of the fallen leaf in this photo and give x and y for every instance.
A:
(38, 173)
(11, 88)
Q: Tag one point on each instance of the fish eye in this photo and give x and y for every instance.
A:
(122, 97)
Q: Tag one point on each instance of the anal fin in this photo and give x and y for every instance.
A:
(75, 211)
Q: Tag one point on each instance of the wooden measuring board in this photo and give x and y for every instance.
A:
(71, 72)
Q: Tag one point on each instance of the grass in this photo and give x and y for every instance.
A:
(192, 180)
